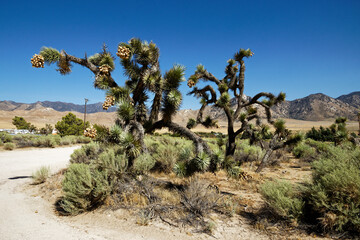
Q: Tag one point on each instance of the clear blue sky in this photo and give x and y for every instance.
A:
(301, 47)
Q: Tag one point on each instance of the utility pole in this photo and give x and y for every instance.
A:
(358, 115)
(86, 100)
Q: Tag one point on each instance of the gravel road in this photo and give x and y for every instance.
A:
(26, 217)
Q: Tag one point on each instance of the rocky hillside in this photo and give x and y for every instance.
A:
(315, 107)
(353, 99)
(57, 106)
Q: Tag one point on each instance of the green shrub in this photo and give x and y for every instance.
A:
(143, 163)
(86, 153)
(47, 141)
(83, 189)
(5, 137)
(9, 146)
(41, 175)
(283, 198)
(305, 152)
(112, 161)
(1, 143)
(82, 139)
(335, 192)
(234, 172)
(24, 140)
(165, 158)
(247, 153)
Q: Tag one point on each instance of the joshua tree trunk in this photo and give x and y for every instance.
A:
(265, 160)
(231, 145)
(200, 144)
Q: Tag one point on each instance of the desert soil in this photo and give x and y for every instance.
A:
(26, 215)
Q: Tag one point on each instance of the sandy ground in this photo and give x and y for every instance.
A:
(25, 215)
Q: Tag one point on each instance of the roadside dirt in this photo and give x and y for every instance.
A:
(25, 214)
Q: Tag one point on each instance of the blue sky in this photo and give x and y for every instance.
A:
(301, 47)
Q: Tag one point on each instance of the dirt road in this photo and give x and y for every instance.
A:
(24, 215)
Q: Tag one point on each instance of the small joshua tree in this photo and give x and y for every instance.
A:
(281, 138)
(140, 61)
(231, 85)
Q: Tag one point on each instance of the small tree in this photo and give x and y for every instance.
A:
(281, 138)
(231, 85)
(46, 130)
(71, 125)
(21, 123)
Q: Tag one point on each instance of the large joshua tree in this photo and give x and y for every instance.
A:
(246, 109)
(140, 61)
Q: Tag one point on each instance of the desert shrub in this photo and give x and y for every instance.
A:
(47, 141)
(283, 198)
(247, 153)
(83, 139)
(335, 192)
(234, 172)
(5, 137)
(143, 163)
(24, 140)
(67, 140)
(1, 143)
(83, 188)
(165, 157)
(40, 175)
(86, 153)
(199, 198)
(321, 134)
(304, 151)
(9, 146)
(113, 161)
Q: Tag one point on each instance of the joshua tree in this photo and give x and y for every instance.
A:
(281, 138)
(140, 61)
(231, 84)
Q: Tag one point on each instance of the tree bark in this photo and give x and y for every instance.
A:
(265, 160)
(200, 144)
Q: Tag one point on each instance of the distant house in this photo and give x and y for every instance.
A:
(16, 131)
(55, 132)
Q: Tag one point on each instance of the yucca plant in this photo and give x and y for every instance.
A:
(140, 61)
(232, 85)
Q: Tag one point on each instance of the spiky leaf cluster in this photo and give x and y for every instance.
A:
(191, 123)
(224, 100)
(243, 53)
(126, 110)
(51, 55)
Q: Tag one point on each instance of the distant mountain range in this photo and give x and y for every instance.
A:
(314, 107)
(57, 106)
